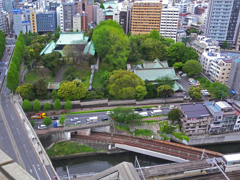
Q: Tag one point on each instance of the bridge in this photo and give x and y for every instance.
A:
(162, 149)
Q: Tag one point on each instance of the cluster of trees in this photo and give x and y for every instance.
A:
(195, 92)
(192, 68)
(193, 30)
(2, 42)
(218, 90)
(13, 72)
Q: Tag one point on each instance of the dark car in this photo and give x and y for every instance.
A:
(54, 118)
(138, 109)
(105, 119)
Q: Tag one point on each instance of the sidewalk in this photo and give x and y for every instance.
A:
(33, 137)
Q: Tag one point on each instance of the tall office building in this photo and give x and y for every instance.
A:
(1, 6)
(98, 14)
(77, 22)
(69, 12)
(46, 22)
(33, 20)
(223, 21)
(7, 5)
(146, 16)
(169, 21)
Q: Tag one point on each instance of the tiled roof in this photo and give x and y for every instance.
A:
(72, 38)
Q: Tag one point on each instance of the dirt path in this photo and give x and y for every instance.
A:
(59, 74)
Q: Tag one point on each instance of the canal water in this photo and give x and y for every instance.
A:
(100, 163)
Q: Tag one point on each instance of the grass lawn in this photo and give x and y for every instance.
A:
(67, 148)
(33, 76)
(83, 74)
(97, 79)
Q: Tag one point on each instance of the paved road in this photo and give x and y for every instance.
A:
(85, 116)
(13, 136)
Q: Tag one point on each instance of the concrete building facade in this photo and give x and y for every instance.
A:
(33, 20)
(234, 76)
(7, 5)
(169, 21)
(1, 5)
(98, 14)
(17, 22)
(3, 24)
(69, 12)
(46, 22)
(146, 16)
(77, 22)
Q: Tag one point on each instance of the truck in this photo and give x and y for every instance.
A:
(57, 124)
(38, 116)
(92, 120)
(156, 112)
(156, 108)
(144, 114)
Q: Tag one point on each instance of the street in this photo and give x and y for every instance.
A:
(85, 116)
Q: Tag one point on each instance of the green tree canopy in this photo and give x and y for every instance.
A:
(219, 90)
(124, 84)
(195, 92)
(36, 106)
(41, 87)
(225, 44)
(165, 80)
(27, 106)
(111, 23)
(124, 115)
(47, 121)
(51, 60)
(47, 107)
(68, 105)
(72, 90)
(62, 120)
(178, 65)
(192, 68)
(165, 91)
(134, 55)
(26, 91)
(32, 122)
(167, 41)
(154, 34)
(57, 105)
(54, 94)
(151, 90)
(102, 6)
(173, 114)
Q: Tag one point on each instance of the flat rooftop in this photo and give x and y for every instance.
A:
(232, 157)
(195, 110)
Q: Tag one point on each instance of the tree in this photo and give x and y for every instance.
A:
(57, 33)
(110, 23)
(91, 95)
(47, 107)
(54, 94)
(72, 90)
(165, 91)
(68, 105)
(165, 80)
(12, 80)
(36, 106)
(57, 105)
(167, 41)
(173, 114)
(134, 55)
(152, 49)
(102, 6)
(192, 68)
(195, 92)
(32, 122)
(47, 121)
(41, 87)
(178, 65)
(124, 115)
(62, 120)
(26, 91)
(124, 84)
(218, 90)
(112, 45)
(27, 106)
(155, 34)
(51, 60)
(151, 90)
(225, 44)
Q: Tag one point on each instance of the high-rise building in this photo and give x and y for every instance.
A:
(46, 22)
(68, 13)
(223, 22)
(169, 21)
(2, 22)
(7, 5)
(60, 17)
(33, 20)
(234, 76)
(17, 22)
(98, 14)
(1, 6)
(77, 22)
(146, 16)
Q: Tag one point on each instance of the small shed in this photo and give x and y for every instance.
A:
(53, 86)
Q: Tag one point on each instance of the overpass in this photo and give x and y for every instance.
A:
(156, 148)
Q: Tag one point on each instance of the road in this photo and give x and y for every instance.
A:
(13, 135)
(83, 117)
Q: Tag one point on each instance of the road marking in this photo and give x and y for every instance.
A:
(12, 117)
(31, 170)
(36, 171)
(6, 105)
(25, 147)
(18, 131)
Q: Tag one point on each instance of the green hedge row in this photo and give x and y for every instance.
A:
(13, 71)
(2, 43)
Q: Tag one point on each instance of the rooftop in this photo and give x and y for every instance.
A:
(72, 38)
(232, 157)
(53, 85)
(195, 110)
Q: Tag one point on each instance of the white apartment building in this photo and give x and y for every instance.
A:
(169, 21)
(1, 5)
(77, 22)
(182, 7)
(60, 17)
(208, 57)
(98, 13)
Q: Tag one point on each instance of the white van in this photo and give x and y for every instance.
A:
(92, 119)
(144, 114)
(156, 112)
(42, 127)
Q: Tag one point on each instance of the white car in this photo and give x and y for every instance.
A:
(184, 75)
(42, 127)
(78, 122)
(74, 119)
(172, 107)
(108, 112)
(186, 97)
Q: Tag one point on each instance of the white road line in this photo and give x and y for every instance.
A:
(18, 131)
(12, 117)
(36, 171)
(31, 170)
(6, 105)
(25, 148)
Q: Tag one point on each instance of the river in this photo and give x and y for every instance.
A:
(100, 163)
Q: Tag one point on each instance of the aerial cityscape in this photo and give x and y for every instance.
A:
(119, 90)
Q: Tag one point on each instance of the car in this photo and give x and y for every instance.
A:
(108, 112)
(74, 119)
(184, 75)
(104, 119)
(138, 109)
(9, 53)
(42, 127)
(186, 97)
(78, 122)
(54, 118)
(172, 107)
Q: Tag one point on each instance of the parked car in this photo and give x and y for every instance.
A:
(54, 118)
(104, 119)
(138, 109)
(186, 97)
(42, 127)
(172, 107)
(74, 119)
(184, 75)
(78, 122)
(108, 112)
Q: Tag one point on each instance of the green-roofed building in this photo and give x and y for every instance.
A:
(69, 38)
(152, 70)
